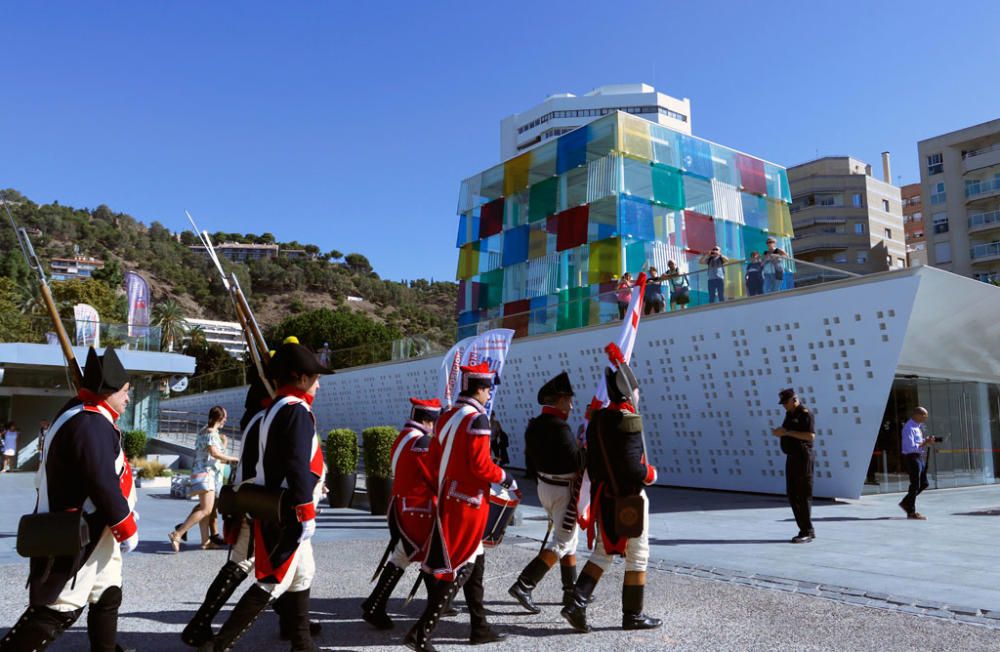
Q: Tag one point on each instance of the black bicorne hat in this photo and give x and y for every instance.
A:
(786, 394)
(104, 374)
(620, 383)
(552, 390)
(294, 357)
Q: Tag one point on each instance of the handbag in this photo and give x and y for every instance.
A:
(681, 296)
(629, 510)
(52, 534)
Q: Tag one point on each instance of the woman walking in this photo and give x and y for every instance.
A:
(9, 448)
(209, 453)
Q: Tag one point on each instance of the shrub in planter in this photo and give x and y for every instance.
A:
(377, 443)
(134, 443)
(342, 466)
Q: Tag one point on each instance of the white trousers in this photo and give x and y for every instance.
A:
(300, 573)
(102, 570)
(555, 501)
(636, 549)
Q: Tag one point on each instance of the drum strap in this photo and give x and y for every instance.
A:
(553, 481)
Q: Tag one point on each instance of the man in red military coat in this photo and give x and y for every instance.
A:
(412, 508)
(460, 453)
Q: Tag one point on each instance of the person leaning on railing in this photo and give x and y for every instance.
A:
(679, 286)
(716, 274)
(624, 294)
(655, 301)
(774, 266)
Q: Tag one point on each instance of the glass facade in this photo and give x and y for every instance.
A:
(965, 414)
(544, 236)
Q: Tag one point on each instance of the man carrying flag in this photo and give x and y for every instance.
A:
(411, 510)
(460, 452)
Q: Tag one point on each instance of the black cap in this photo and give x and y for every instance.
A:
(104, 374)
(558, 386)
(294, 357)
(785, 394)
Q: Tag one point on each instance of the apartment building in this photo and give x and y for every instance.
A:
(960, 188)
(846, 218)
(913, 225)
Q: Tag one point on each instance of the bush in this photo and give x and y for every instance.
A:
(149, 469)
(134, 443)
(342, 451)
(377, 442)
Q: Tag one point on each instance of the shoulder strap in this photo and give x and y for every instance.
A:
(604, 454)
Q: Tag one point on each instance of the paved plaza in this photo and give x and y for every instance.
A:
(722, 578)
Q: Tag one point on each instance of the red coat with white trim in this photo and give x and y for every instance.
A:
(460, 451)
(84, 468)
(290, 458)
(414, 489)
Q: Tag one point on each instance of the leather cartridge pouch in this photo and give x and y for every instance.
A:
(256, 501)
(629, 510)
(53, 534)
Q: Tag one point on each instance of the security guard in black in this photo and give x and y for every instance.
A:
(797, 432)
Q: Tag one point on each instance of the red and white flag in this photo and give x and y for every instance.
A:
(626, 342)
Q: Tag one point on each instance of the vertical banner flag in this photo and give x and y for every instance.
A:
(137, 291)
(448, 387)
(490, 347)
(626, 342)
(88, 325)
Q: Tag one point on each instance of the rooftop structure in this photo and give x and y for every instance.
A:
(227, 334)
(240, 252)
(64, 269)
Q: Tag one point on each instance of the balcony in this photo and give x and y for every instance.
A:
(982, 222)
(981, 158)
(985, 253)
(976, 190)
(815, 242)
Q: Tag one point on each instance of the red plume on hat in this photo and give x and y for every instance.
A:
(615, 355)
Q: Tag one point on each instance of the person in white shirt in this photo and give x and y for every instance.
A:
(914, 449)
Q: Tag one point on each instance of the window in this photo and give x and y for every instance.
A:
(935, 164)
(939, 196)
(856, 200)
(900, 262)
(840, 258)
(859, 228)
(885, 205)
(862, 257)
(917, 217)
(888, 234)
(940, 221)
(942, 252)
(829, 199)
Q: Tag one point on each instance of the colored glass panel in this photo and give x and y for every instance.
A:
(751, 174)
(516, 316)
(635, 138)
(468, 261)
(635, 256)
(696, 156)
(515, 173)
(573, 266)
(605, 260)
(573, 188)
(735, 286)
(636, 218)
(754, 240)
(603, 177)
(754, 211)
(603, 218)
(515, 246)
(468, 229)
(572, 228)
(724, 165)
(491, 218)
(543, 162)
(602, 137)
(537, 243)
(729, 238)
(490, 253)
(491, 183)
(779, 218)
(699, 232)
(574, 308)
(514, 279)
(668, 186)
(571, 150)
(698, 195)
(543, 198)
(666, 146)
(637, 178)
(491, 289)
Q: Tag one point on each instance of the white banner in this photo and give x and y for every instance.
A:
(490, 347)
(137, 291)
(88, 325)
(447, 388)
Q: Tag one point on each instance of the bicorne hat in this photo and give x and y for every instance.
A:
(552, 390)
(298, 358)
(104, 374)
(786, 394)
(477, 376)
(425, 410)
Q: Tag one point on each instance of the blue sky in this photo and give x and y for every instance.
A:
(351, 124)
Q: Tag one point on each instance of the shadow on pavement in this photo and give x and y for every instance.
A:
(831, 519)
(687, 542)
(984, 512)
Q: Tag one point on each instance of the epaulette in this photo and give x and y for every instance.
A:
(631, 422)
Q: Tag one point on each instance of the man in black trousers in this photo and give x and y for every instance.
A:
(797, 432)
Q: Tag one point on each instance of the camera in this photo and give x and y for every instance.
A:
(936, 440)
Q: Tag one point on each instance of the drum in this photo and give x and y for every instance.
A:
(503, 502)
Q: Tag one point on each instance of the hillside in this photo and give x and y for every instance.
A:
(278, 289)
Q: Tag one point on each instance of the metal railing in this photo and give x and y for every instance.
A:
(182, 428)
(986, 186)
(984, 219)
(981, 151)
(987, 250)
(82, 333)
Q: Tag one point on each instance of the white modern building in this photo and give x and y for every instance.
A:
(228, 334)
(861, 353)
(561, 113)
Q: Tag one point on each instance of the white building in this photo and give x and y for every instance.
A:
(563, 112)
(226, 333)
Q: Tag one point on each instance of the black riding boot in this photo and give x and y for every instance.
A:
(102, 620)
(253, 602)
(286, 619)
(199, 630)
(481, 631)
(576, 612)
(373, 609)
(297, 610)
(568, 582)
(526, 583)
(449, 609)
(37, 628)
(632, 616)
(438, 598)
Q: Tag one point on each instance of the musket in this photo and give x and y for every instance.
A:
(252, 334)
(76, 376)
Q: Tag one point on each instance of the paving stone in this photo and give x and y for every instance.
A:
(877, 596)
(965, 611)
(930, 604)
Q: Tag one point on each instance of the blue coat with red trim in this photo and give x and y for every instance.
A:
(84, 469)
(414, 490)
(460, 451)
(291, 459)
